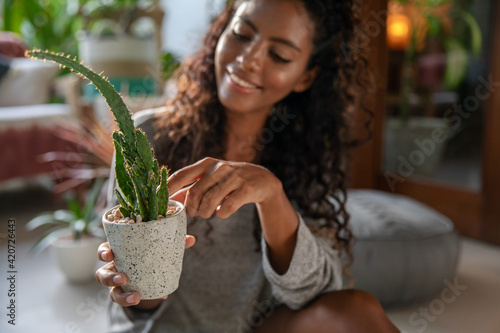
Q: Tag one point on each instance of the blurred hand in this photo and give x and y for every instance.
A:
(108, 276)
(222, 187)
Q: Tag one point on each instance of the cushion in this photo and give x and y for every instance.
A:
(27, 82)
(404, 250)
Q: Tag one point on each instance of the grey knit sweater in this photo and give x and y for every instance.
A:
(227, 285)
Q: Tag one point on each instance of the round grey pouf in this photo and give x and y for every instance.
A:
(404, 250)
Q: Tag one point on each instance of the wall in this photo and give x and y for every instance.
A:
(185, 23)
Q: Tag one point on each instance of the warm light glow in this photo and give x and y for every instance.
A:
(398, 31)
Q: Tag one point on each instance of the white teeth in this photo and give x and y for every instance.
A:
(241, 82)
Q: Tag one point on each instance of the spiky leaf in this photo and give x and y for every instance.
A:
(141, 202)
(152, 199)
(144, 150)
(113, 99)
(162, 192)
(122, 177)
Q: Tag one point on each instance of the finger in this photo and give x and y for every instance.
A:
(214, 196)
(180, 195)
(124, 299)
(213, 181)
(189, 174)
(108, 276)
(232, 203)
(190, 240)
(104, 253)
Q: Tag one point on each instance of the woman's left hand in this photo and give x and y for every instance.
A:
(222, 187)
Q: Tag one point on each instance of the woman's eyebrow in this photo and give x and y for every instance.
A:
(274, 39)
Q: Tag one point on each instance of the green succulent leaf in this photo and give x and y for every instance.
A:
(48, 238)
(162, 193)
(122, 177)
(145, 152)
(64, 218)
(136, 169)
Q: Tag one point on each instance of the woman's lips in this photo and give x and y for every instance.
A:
(241, 84)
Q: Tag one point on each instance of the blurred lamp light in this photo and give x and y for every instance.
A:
(398, 31)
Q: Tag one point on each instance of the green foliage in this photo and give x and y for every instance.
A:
(44, 24)
(78, 219)
(136, 169)
(169, 64)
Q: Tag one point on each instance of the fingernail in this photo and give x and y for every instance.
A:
(117, 279)
(105, 254)
(130, 299)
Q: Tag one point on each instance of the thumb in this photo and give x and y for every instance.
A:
(180, 195)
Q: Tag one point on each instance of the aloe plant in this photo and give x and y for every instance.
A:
(143, 185)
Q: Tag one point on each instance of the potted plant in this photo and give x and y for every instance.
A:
(73, 235)
(112, 41)
(409, 139)
(154, 225)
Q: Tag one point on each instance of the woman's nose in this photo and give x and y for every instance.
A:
(251, 59)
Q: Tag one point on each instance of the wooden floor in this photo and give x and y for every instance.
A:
(46, 303)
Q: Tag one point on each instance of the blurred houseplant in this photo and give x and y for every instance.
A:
(123, 39)
(431, 35)
(73, 234)
(48, 24)
(145, 221)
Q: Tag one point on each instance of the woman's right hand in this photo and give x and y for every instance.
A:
(108, 276)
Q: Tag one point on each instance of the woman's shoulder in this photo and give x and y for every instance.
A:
(145, 119)
(147, 116)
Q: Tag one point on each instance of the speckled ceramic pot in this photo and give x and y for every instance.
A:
(149, 253)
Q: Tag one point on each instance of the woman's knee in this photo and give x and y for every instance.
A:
(351, 311)
(339, 311)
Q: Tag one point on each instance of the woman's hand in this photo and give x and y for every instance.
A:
(108, 276)
(222, 187)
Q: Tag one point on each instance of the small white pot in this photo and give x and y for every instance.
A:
(149, 253)
(412, 148)
(77, 259)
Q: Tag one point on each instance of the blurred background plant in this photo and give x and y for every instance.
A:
(431, 33)
(50, 24)
(81, 219)
(91, 158)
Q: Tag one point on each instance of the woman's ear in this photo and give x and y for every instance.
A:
(306, 80)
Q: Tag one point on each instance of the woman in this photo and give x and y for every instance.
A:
(265, 98)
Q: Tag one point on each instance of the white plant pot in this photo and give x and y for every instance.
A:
(121, 55)
(149, 253)
(415, 148)
(77, 259)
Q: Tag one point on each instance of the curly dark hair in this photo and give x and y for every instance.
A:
(309, 154)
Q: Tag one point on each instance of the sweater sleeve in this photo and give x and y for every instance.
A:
(315, 268)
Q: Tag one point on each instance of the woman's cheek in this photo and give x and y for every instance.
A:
(283, 81)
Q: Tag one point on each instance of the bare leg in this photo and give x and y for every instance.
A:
(346, 311)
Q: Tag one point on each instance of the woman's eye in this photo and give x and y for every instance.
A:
(240, 36)
(278, 58)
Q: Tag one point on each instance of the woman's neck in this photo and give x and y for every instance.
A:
(242, 132)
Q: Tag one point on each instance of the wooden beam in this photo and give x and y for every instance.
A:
(491, 146)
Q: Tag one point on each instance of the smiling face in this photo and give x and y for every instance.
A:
(262, 55)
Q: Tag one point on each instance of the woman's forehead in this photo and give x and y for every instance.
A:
(287, 17)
